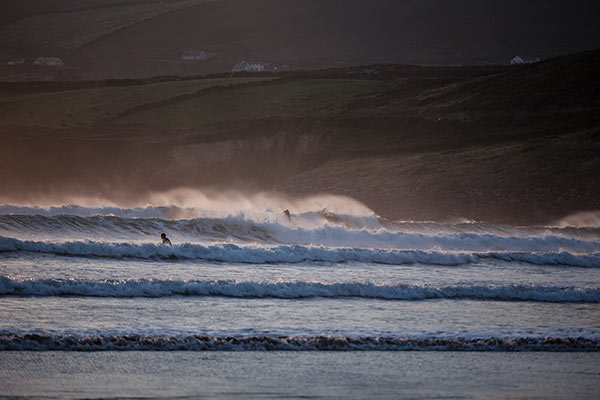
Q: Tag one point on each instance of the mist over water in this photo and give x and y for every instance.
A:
(270, 228)
(586, 219)
(192, 203)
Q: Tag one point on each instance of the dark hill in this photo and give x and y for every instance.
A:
(315, 34)
(517, 145)
(324, 33)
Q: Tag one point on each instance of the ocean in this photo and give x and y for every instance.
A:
(321, 304)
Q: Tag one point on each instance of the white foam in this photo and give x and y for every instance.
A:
(310, 229)
(288, 254)
(585, 219)
(49, 342)
(191, 203)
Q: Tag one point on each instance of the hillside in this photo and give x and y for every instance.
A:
(502, 144)
(143, 38)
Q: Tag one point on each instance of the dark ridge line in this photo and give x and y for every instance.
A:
(60, 86)
(384, 72)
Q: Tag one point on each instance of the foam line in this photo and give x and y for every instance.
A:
(48, 342)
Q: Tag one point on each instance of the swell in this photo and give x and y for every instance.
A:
(44, 342)
(292, 290)
(288, 253)
(310, 228)
(81, 211)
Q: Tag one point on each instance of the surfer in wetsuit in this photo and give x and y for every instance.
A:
(165, 239)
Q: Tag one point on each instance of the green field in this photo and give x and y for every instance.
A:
(87, 106)
(288, 99)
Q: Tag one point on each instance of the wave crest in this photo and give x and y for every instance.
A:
(291, 290)
(288, 254)
(320, 228)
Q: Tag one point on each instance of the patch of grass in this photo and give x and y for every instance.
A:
(87, 106)
(74, 29)
(564, 82)
(278, 100)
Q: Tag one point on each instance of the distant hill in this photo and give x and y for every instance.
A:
(514, 144)
(141, 38)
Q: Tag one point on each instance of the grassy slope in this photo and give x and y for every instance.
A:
(279, 100)
(413, 143)
(81, 107)
(72, 28)
(525, 141)
(561, 83)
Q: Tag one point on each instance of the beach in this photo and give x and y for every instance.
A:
(294, 375)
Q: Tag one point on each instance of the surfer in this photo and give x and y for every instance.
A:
(165, 239)
(287, 214)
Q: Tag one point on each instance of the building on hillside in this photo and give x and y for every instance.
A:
(196, 55)
(48, 62)
(524, 60)
(16, 61)
(248, 66)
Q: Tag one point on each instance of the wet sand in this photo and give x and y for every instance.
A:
(318, 375)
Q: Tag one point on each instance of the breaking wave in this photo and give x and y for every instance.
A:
(314, 228)
(287, 253)
(291, 290)
(44, 342)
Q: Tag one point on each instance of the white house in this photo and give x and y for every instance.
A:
(49, 62)
(524, 60)
(196, 55)
(16, 61)
(248, 66)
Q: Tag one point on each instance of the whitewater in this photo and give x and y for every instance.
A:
(78, 278)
